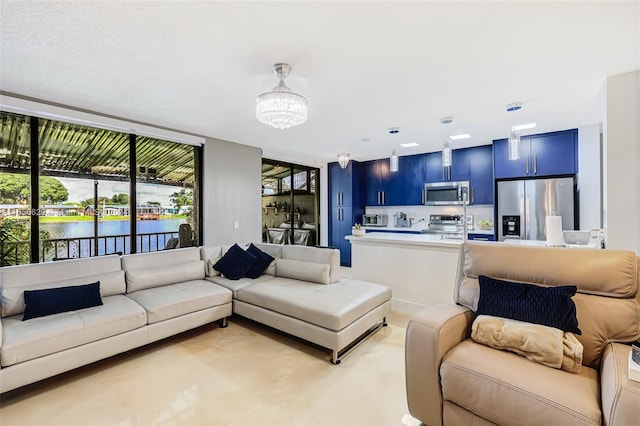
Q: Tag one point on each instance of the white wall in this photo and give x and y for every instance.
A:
(621, 149)
(590, 176)
(231, 192)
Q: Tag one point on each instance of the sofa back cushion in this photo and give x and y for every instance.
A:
(160, 268)
(273, 250)
(210, 255)
(325, 256)
(304, 271)
(14, 280)
(607, 301)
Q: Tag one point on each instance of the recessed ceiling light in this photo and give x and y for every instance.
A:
(523, 127)
(409, 144)
(462, 136)
(394, 130)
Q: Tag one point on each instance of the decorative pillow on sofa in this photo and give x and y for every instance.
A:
(304, 271)
(40, 303)
(235, 263)
(550, 306)
(263, 260)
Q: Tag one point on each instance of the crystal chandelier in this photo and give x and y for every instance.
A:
(281, 108)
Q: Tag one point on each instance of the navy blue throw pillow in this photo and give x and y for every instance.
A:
(550, 306)
(263, 260)
(235, 263)
(49, 301)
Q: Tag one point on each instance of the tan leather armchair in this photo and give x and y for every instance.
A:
(452, 380)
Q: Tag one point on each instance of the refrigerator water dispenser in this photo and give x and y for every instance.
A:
(511, 226)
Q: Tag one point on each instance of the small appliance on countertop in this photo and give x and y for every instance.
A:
(375, 219)
(447, 226)
(401, 220)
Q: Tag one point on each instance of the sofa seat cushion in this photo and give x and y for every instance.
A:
(26, 340)
(235, 285)
(505, 388)
(330, 306)
(170, 301)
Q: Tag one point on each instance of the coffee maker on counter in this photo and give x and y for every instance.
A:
(401, 220)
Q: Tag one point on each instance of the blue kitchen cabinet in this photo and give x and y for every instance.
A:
(346, 187)
(458, 171)
(546, 154)
(340, 226)
(376, 179)
(481, 175)
(408, 181)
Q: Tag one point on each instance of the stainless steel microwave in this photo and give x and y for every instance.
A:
(446, 193)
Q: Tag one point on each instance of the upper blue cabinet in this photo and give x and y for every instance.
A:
(481, 174)
(546, 154)
(458, 171)
(401, 188)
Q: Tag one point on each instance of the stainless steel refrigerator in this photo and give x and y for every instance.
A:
(523, 206)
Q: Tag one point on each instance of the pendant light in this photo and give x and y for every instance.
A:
(343, 160)
(446, 145)
(393, 161)
(514, 137)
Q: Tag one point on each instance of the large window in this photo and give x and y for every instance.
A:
(98, 191)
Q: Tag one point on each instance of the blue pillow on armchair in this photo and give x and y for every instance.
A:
(49, 301)
(550, 306)
(235, 263)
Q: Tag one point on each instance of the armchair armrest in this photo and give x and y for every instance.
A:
(431, 333)
(620, 395)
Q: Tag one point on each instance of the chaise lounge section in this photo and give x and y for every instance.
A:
(302, 294)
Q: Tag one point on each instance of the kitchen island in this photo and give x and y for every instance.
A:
(420, 268)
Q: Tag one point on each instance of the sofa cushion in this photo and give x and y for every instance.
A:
(235, 285)
(482, 381)
(26, 340)
(322, 255)
(14, 280)
(170, 301)
(550, 306)
(263, 260)
(275, 251)
(140, 279)
(305, 271)
(330, 306)
(211, 254)
(235, 263)
(40, 303)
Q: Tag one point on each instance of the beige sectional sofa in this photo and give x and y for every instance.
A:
(302, 294)
(147, 297)
(454, 380)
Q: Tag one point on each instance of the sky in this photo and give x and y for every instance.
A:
(82, 189)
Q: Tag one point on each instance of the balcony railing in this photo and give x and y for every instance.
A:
(72, 248)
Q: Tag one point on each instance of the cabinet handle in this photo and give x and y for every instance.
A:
(473, 195)
(422, 196)
(449, 172)
(527, 170)
(535, 164)
(443, 173)
(342, 198)
(481, 239)
(383, 197)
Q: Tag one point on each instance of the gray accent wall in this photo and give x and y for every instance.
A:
(231, 193)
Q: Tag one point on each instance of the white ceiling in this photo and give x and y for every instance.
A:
(364, 66)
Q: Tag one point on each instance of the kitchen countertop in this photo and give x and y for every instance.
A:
(416, 229)
(403, 238)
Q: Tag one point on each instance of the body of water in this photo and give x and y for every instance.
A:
(107, 232)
